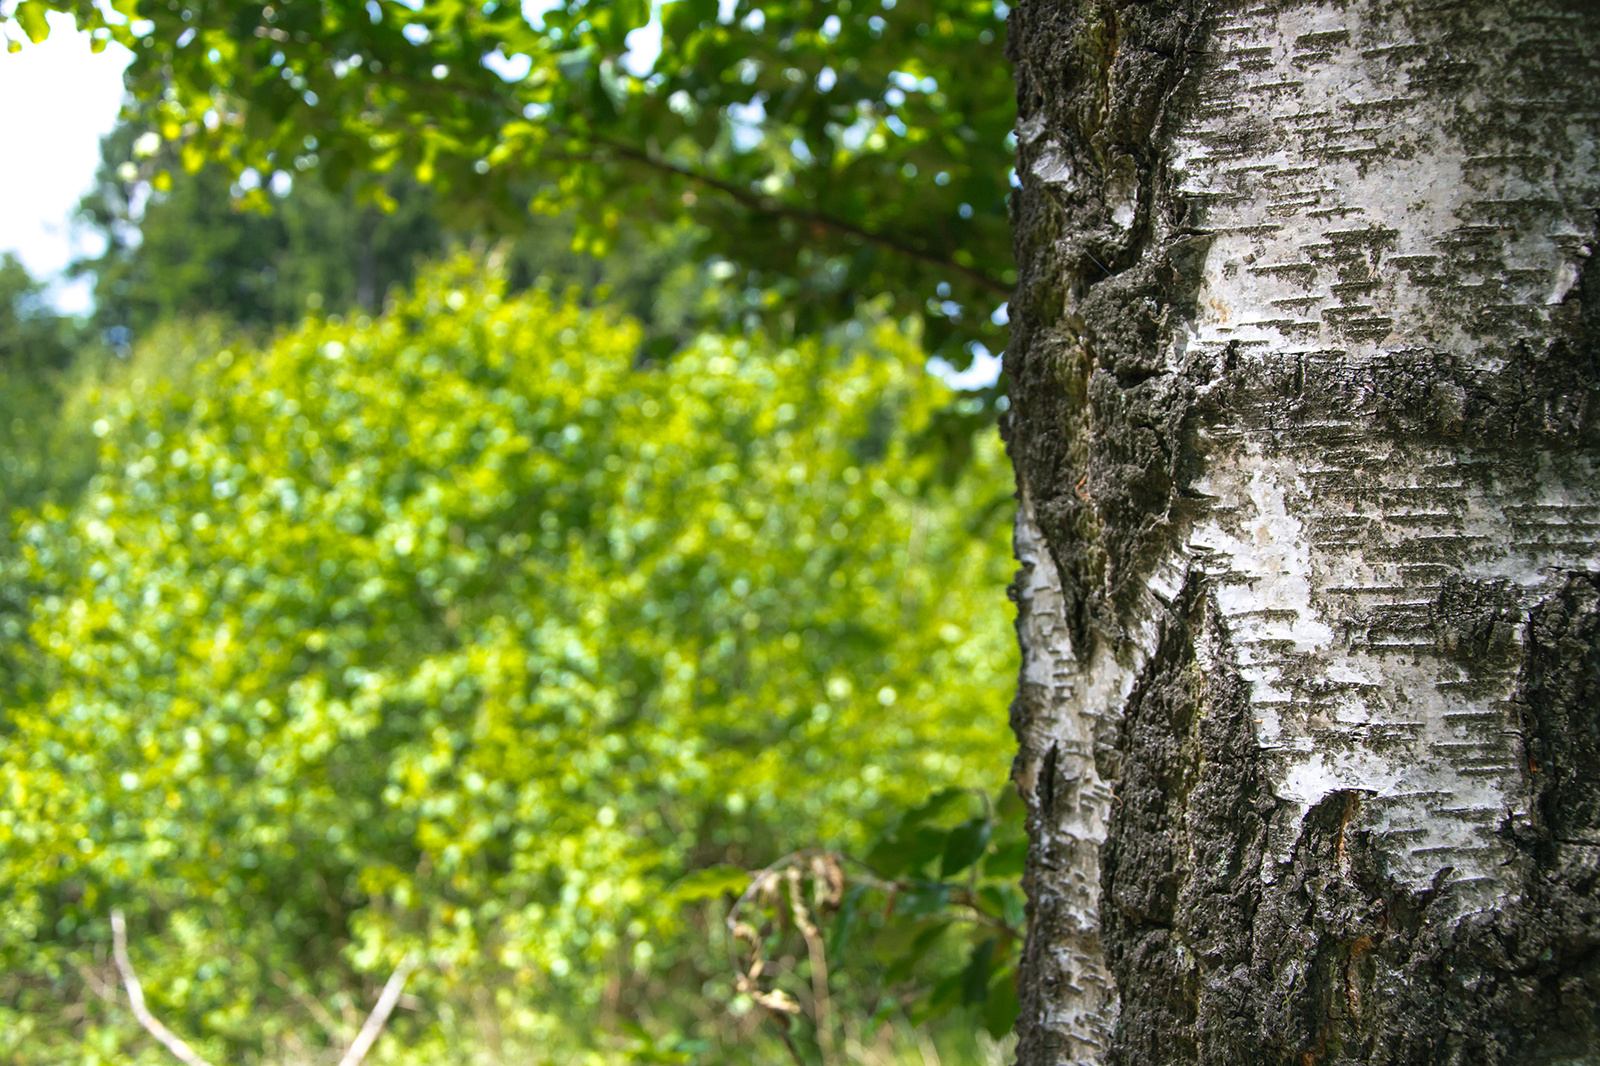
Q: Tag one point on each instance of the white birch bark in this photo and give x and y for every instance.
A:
(1305, 401)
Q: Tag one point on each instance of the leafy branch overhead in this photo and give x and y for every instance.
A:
(834, 150)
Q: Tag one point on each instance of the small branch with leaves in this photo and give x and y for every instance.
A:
(353, 1056)
(934, 908)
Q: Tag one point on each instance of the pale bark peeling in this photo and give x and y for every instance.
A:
(1305, 427)
(1061, 704)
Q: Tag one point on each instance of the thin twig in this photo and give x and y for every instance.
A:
(130, 980)
(825, 868)
(819, 968)
(100, 988)
(330, 1025)
(380, 1013)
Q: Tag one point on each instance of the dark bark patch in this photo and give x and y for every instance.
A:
(1181, 865)
(1512, 401)
(1533, 395)
(1145, 860)
(1099, 433)
(1561, 713)
(1476, 622)
(1520, 984)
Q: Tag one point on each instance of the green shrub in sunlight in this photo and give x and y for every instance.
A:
(457, 632)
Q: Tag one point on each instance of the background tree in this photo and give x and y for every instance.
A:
(834, 151)
(33, 337)
(1305, 413)
(37, 352)
(40, 458)
(809, 236)
(260, 258)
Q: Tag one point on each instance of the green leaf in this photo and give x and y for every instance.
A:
(922, 899)
(1000, 1005)
(885, 1012)
(1007, 860)
(1009, 807)
(965, 845)
(645, 1048)
(30, 15)
(904, 962)
(844, 923)
(897, 854)
(931, 808)
(943, 998)
(992, 900)
(911, 843)
(1003, 901)
(975, 976)
(710, 883)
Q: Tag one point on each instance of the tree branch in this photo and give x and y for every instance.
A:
(762, 204)
(765, 205)
(130, 980)
(352, 1057)
(380, 1013)
(107, 992)
(821, 1004)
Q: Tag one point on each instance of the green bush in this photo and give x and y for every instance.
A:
(457, 632)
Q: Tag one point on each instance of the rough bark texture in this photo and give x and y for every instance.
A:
(1306, 420)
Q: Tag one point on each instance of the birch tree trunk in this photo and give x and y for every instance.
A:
(1305, 421)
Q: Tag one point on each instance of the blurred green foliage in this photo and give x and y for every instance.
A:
(37, 346)
(834, 151)
(32, 335)
(196, 249)
(456, 630)
(497, 626)
(262, 259)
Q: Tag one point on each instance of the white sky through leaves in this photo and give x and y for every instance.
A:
(60, 100)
